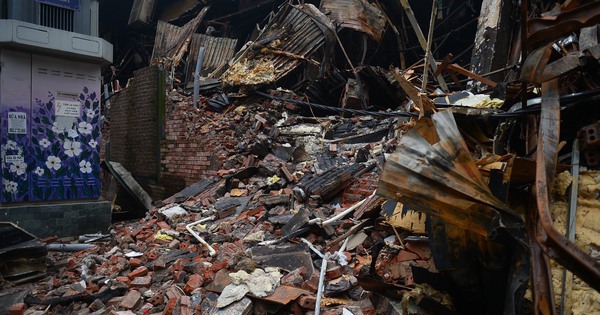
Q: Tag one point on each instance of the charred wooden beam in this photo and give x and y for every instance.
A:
(328, 184)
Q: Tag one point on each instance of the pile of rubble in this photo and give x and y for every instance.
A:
(291, 225)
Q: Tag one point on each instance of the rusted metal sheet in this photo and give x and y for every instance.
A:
(171, 41)
(441, 179)
(358, 15)
(559, 23)
(294, 36)
(218, 51)
(537, 69)
(555, 245)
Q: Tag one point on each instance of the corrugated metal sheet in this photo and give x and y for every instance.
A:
(171, 41)
(218, 51)
(436, 174)
(358, 15)
(294, 36)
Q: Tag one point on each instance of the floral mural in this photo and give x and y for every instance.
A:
(65, 161)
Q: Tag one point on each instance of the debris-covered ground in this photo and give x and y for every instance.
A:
(346, 183)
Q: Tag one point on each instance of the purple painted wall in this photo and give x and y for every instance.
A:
(50, 128)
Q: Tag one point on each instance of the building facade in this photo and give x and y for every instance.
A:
(50, 118)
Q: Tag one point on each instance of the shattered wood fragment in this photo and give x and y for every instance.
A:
(422, 102)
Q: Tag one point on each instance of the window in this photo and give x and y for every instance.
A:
(56, 17)
(3, 9)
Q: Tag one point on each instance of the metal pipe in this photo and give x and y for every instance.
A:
(188, 227)
(197, 75)
(428, 54)
(571, 219)
(57, 247)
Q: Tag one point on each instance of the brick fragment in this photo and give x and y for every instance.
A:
(193, 283)
(131, 299)
(307, 301)
(115, 301)
(142, 282)
(138, 272)
(170, 306)
(135, 262)
(17, 309)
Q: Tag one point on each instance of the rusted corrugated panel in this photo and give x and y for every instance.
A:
(218, 51)
(358, 15)
(293, 36)
(439, 177)
(171, 41)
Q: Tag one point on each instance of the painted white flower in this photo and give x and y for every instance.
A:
(10, 187)
(18, 167)
(53, 162)
(72, 148)
(39, 171)
(56, 129)
(72, 134)
(85, 167)
(11, 145)
(93, 143)
(91, 113)
(45, 143)
(85, 128)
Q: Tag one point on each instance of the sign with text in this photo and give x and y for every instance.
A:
(68, 108)
(67, 4)
(17, 123)
(14, 158)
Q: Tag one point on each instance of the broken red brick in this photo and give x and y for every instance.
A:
(193, 283)
(138, 272)
(135, 262)
(163, 225)
(17, 309)
(131, 299)
(124, 280)
(307, 301)
(312, 283)
(141, 282)
(170, 307)
(334, 272)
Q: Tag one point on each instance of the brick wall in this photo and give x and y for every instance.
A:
(134, 126)
(191, 147)
(194, 146)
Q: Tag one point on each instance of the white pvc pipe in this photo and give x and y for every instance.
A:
(188, 227)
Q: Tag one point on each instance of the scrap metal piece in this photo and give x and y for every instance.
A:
(298, 32)
(127, 181)
(358, 15)
(22, 255)
(218, 51)
(441, 178)
(555, 245)
(171, 41)
(550, 27)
